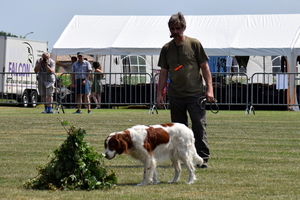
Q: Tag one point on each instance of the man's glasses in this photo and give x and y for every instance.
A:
(175, 28)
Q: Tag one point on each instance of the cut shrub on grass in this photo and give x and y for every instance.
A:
(75, 166)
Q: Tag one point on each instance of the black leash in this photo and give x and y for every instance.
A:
(202, 103)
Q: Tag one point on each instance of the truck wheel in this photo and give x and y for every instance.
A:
(25, 99)
(33, 98)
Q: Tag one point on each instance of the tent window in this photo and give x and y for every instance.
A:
(278, 64)
(275, 60)
(134, 64)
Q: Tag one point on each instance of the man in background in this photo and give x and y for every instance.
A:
(80, 80)
(45, 67)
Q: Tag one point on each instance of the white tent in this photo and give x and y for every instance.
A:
(222, 35)
(242, 35)
(145, 35)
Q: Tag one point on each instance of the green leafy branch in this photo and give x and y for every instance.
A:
(75, 166)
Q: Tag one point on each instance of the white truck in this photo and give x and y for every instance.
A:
(18, 82)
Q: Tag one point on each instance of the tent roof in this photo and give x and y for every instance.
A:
(145, 35)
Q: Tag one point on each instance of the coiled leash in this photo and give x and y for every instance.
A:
(202, 103)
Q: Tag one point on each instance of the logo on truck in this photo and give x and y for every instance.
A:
(19, 67)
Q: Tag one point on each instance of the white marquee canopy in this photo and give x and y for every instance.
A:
(220, 35)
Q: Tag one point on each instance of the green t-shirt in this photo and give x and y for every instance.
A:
(187, 79)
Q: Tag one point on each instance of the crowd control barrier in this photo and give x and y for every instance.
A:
(231, 90)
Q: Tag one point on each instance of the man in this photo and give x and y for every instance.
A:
(81, 82)
(45, 67)
(186, 62)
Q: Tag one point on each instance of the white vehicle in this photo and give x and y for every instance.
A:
(18, 82)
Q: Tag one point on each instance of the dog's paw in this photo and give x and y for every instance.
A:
(190, 182)
(141, 184)
(172, 181)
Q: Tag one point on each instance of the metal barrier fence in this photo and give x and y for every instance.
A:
(117, 89)
(266, 90)
(232, 90)
(238, 91)
(274, 89)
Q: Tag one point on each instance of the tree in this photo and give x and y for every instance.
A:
(2, 33)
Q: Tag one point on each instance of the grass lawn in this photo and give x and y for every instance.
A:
(252, 156)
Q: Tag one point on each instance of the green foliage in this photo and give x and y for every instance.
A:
(75, 166)
(2, 33)
(65, 80)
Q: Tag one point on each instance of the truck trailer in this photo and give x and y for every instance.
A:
(18, 83)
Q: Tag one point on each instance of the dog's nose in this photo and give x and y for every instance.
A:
(106, 156)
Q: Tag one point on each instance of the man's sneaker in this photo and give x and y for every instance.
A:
(44, 112)
(78, 112)
(49, 112)
(90, 112)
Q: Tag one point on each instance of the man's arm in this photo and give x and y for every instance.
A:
(38, 66)
(72, 77)
(208, 79)
(161, 85)
(50, 67)
(88, 75)
(89, 70)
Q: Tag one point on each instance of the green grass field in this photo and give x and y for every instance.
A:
(252, 156)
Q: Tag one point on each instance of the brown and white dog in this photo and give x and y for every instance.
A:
(153, 143)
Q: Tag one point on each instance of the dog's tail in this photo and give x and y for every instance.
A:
(197, 159)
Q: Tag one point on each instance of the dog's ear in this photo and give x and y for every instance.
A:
(122, 146)
(114, 144)
(124, 142)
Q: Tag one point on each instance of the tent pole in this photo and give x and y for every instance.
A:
(110, 67)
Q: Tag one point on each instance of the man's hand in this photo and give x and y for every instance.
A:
(160, 101)
(209, 96)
